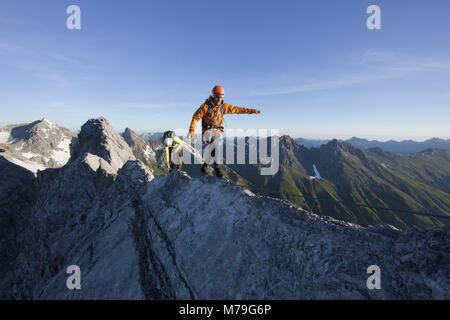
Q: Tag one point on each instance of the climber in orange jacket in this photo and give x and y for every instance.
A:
(211, 112)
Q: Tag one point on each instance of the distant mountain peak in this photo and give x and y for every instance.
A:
(130, 134)
(437, 140)
(141, 147)
(287, 143)
(356, 139)
(37, 145)
(128, 130)
(151, 135)
(378, 150)
(339, 146)
(286, 138)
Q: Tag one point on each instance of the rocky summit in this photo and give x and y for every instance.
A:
(136, 236)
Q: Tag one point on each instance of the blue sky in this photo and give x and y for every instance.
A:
(312, 67)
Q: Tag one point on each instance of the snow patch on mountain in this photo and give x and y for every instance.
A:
(50, 124)
(4, 137)
(317, 174)
(29, 155)
(62, 155)
(148, 151)
(18, 147)
(32, 166)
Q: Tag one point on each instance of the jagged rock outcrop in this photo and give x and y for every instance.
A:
(65, 196)
(136, 236)
(100, 146)
(99, 238)
(17, 195)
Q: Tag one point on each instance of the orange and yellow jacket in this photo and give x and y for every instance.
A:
(212, 114)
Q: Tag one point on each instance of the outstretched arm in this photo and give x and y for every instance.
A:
(229, 109)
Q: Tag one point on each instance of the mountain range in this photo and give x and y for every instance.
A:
(399, 147)
(352, 179)
(135, 235)
(151, 135)
(336, 179)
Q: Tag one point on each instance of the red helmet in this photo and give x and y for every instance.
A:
(218, 90)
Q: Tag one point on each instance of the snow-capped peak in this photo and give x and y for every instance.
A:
(37, 145)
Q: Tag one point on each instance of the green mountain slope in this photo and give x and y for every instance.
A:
(375, 178)
(351, 180)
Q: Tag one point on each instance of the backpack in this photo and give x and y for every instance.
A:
(209, 113)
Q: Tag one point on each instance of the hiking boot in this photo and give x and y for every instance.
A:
(205, 169)
(218, 171)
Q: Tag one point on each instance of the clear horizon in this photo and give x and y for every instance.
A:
(312, 67)
(122, 129)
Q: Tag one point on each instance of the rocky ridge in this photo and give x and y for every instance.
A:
(136, 236)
